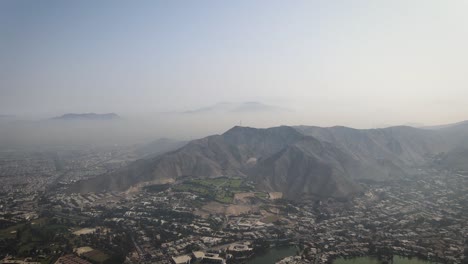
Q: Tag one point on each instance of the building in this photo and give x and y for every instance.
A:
(71, 259)
(184, 259)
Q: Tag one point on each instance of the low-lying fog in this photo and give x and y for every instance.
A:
(132, 129)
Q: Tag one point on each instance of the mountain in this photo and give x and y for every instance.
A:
(303, 162)
(244, 107)
(213, 156)
(87, 116)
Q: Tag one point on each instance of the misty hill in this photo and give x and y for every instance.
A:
(385, 152)
(447, 126)
(87, 116)
(258, 107)
(244, 107)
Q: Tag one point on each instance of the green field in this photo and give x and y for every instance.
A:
(37, 234)
(10, 232)
(96, 256)
(220, 182)
(261, 195)
(157, 188)
(220, 189)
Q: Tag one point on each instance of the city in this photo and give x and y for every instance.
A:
(422, 217)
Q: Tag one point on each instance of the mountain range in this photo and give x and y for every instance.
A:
(303, 162)
(87, 116)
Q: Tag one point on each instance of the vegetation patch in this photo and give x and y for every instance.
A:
(261, 195)
(220, 189)
(157, 188)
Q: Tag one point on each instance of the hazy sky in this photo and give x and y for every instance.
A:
(357, 63)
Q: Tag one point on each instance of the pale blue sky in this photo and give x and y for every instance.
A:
(350, 61)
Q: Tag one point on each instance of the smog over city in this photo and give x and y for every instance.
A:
(276, 132)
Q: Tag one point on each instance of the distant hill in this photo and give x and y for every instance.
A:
(447, 126)
(244, 107)
(258, 107)
(87, 116)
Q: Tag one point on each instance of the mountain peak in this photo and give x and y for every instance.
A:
(238, 129)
